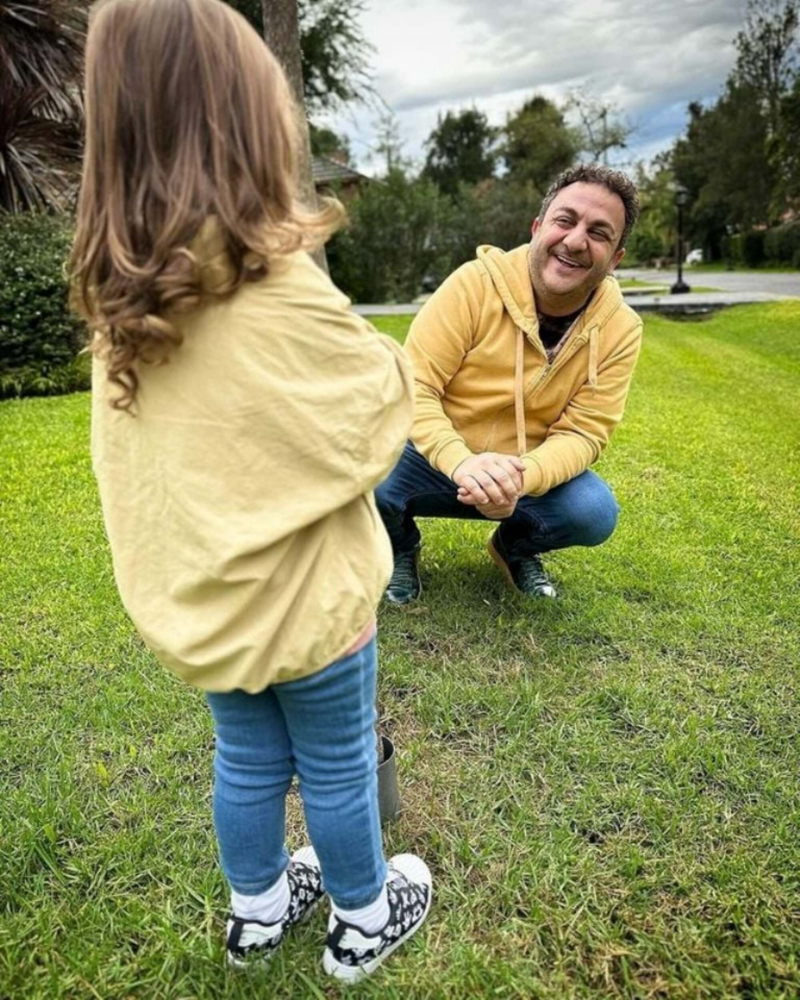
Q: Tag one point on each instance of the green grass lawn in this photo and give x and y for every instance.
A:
(606, 786)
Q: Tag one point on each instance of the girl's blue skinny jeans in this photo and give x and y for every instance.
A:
(321, 728)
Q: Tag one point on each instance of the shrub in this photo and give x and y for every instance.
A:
(753, 248)
(643, 248)
(498, 212)
(39, 336)
(399, 233)
(782, 243)
(731, 248)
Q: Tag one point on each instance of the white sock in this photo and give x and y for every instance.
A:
(369, 919)
(268, 907)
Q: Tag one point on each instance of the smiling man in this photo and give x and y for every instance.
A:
(522, 366)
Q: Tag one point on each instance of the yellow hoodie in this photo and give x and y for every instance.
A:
(484, 382)
(246, 544)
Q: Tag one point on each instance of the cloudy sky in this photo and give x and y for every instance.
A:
(650, 57)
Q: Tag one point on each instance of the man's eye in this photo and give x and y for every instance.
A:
(562, 220)
(600, 234)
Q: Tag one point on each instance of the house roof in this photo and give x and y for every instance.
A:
(325, 171)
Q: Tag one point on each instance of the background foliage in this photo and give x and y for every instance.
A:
(39, 336)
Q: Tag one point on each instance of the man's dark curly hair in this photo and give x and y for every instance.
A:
(613, 180)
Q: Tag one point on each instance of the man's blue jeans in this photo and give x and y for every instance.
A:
(580, 512)
(322, 728)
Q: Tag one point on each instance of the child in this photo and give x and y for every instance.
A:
(241, 417)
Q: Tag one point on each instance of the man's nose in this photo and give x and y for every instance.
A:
(576, 239)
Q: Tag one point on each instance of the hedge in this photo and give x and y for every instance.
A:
(40, 339)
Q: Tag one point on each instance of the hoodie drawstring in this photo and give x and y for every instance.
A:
(593, 346)
(519, 402)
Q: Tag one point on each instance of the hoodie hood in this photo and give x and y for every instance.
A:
(511, 277)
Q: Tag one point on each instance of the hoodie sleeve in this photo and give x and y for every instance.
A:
(328, 401)
(582, 431)
(440, 337)
(345, 429)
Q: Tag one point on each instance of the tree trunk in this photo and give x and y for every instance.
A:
(282, 34)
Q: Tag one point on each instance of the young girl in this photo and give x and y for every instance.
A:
(241, 418)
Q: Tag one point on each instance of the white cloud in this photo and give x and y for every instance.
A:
(649, 56)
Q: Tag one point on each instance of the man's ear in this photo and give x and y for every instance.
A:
(617, 258)
(536, 226)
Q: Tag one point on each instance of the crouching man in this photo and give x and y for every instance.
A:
(522, 366)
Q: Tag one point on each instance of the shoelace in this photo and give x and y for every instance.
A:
(532, 573)
(405, 574)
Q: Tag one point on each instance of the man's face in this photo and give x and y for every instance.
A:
(575, 246)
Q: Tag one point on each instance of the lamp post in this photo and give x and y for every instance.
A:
(681, 200)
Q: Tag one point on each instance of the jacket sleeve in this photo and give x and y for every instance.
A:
(334, 409)
(440, 337)
(360, 417)
(582, 431)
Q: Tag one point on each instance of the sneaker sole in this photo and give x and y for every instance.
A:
(308, 856)
(418, 871)
(354, 973)
(400, 604)
(262, 960)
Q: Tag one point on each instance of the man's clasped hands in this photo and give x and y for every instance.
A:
(490, 481)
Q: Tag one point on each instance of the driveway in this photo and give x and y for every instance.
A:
(726, 281)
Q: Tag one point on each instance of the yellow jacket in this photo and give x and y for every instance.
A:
(483, 381)
(246, 544)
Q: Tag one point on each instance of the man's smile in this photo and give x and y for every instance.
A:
(568, 262)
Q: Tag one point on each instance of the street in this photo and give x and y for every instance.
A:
(772, 282)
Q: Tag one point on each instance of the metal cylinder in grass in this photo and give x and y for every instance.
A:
(388, 791)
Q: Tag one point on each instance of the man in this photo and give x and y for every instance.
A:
(522, 364)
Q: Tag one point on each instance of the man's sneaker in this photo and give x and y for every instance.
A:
(404, 585)
(251, 942)
(351, 954)
(525, 573)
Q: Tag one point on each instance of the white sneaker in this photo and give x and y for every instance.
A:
(350, 953)
(252, 942)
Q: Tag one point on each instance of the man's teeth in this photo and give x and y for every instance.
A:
(566, 262)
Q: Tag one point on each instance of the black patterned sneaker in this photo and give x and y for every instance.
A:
(252, 942)
(525, 573)
(351, 954)
(404, 585)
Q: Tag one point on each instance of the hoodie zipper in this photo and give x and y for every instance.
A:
(551, 366)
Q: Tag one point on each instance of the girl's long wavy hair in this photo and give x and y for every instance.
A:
(188, 117)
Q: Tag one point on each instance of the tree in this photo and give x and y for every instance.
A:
(730, 181)
(41, 47)
(600, 127)
(538, 143)
(767, 53)
(654, 235)
(786, 153)
(326, 142)
(460, 150)
(334, 55)
(388, 143)
(281, 32)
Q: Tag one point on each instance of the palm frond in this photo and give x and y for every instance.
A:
(41, 47)
(39, 155)
(41, 108)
